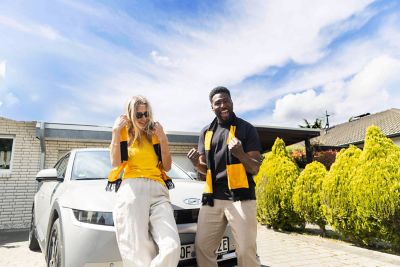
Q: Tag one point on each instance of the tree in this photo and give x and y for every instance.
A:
(317, 124)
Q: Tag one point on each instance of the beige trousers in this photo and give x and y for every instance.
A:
(212, 222)
(144, 224)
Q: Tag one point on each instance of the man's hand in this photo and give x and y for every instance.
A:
(250, 160)
(236, 148)
(194, 155)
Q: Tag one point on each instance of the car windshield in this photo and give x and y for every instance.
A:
(93, 165)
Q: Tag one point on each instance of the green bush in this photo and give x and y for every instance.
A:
(336, 192)
(375, 189)
(307, 194)
(276, 179)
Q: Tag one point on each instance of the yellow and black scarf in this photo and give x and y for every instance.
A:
(114, 178)
(238, 180)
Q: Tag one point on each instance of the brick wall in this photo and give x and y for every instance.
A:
(181, 148)
(18, 187)
(56, 148)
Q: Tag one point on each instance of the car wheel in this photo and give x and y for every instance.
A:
(54, 249)
(33, 243)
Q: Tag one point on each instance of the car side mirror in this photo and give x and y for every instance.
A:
(48, 175)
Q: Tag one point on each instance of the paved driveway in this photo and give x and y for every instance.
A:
(274, 248)
(293, 249)
(14, 251)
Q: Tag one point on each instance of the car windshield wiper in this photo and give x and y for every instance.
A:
(80, 179)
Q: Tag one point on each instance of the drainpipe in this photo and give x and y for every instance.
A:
(41, 137)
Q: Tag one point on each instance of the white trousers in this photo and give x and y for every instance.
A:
(145, 226)
(211, 225)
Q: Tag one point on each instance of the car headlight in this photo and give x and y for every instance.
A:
(94, 217)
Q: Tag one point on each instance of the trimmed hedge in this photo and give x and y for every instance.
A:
(336, 192)
(375, 188)
(307, 194)
(276, 179)
(359, 196)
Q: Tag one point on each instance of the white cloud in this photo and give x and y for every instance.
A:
(47, 32)
(44, 31)
(161, 60)
(374, 88)
(34, 97)
(181, 67)
(10, 99)
(255, 36)
(249, 99)
(306, 105)
(2, 69)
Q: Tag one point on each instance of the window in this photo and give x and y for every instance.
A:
(6, 148)
(91, 165)
(184, 163)
(61, 166)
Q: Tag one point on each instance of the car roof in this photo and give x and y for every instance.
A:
(90, 149)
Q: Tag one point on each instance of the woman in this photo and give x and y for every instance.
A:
(143, 215)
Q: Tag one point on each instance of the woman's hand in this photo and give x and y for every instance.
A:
(159, 131)
(120, 122)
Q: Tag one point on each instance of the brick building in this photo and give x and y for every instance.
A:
(27, 147)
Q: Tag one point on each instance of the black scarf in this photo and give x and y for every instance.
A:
(238, 180)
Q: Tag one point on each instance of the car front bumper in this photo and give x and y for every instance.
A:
(93, 245)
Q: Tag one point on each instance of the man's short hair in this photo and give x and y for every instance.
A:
(218, 90)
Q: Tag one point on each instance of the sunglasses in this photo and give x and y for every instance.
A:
(140, 115)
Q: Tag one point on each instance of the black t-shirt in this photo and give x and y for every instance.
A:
(247, 134)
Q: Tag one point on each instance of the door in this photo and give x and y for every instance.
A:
(44, 199)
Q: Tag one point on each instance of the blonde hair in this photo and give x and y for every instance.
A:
(134, 132)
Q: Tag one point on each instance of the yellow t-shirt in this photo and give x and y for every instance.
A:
(142, 162)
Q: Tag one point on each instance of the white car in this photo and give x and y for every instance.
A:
(72, 221)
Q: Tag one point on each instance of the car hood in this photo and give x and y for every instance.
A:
(92, 196)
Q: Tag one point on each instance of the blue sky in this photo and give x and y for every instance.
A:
(284, 61)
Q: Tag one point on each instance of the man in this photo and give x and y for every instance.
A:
(229, 155)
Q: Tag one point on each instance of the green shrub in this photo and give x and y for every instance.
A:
(276, 179)
(376, 190)
(307, 194)
(336, 192)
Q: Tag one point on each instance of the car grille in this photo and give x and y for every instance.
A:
(186, 216)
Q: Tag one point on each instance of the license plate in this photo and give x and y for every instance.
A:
(188, 251)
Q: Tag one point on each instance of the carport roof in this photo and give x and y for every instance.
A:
(268, 135)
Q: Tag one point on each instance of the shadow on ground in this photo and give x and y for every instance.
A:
(7, 237)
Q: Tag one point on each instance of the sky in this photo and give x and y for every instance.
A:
(69, 61)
